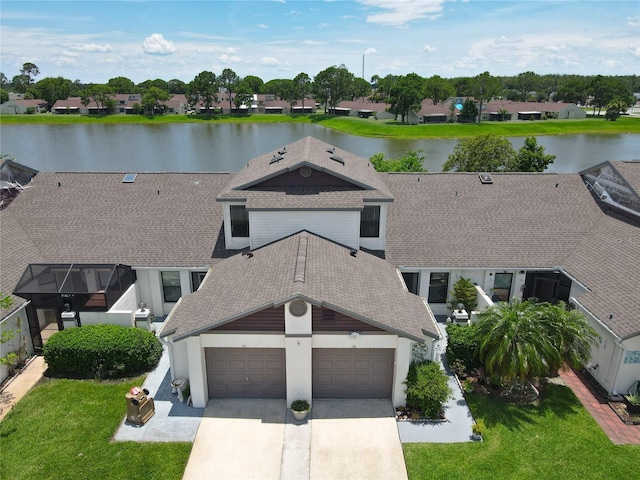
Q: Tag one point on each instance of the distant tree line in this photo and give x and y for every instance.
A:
(329, 87)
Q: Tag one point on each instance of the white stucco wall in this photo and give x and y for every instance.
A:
(629, 371)
(21, 336)
(149, 287)
(187, 356)
(377, 243)
(233, 243)
(342, 226)
(606, 356)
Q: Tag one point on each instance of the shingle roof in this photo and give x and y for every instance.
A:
(607, 261)
(453, 220)
(310, 152)
(630, 170)
(363, 286)
(161, 219)
(439, 220)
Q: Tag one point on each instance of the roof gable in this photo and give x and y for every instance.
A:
(308, 155)
(308, 267)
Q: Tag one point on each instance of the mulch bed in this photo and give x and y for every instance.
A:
(603, 397)
(413, 414)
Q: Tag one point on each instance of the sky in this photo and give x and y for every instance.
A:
(93, 41)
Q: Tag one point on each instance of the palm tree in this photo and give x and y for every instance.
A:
(521, 340)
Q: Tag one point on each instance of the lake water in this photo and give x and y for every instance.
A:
(227, 147)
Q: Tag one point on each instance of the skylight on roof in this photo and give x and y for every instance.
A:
(129, 178)
(485, 178)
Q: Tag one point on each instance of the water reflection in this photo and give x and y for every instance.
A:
(226, 147)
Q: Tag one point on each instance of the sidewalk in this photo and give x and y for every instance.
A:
(21, 384)
(457, 426)
(618, 432)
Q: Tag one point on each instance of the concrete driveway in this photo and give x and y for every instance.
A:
(243, 439)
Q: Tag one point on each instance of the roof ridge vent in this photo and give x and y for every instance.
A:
(337, 158)
(301, 260)
(275, 158)
(485, 178)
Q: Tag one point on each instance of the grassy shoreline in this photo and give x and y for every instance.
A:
(356, 126)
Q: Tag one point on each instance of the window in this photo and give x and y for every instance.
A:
(171, 288)
(438, 287)
(502, 287)
(196, 280)
(239, 221)
(370, 222)
(412, 279)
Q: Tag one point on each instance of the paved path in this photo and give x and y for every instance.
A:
(21, 384)
(613, 427)
(457, 427)
(259, 439)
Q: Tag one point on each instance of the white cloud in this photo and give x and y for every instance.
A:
(633, 21)
(224, 58)
(90, 47)
(263, 25)
(312, 42)
(397, 13)
(428, 48)
(269, 61)
(157, 45)
(370, 51)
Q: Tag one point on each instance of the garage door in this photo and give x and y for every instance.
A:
(246, 372)
(352, 373)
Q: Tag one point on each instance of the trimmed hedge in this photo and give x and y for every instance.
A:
(461, 345)
(101, 351)
(427, 387)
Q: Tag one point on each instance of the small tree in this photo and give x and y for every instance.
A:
(531, 157)
(469, 110)
(464, 291)
(411, 161)
(427, 388)
(614, 109)
(483, 153)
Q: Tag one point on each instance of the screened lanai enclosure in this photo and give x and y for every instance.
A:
(55, 289)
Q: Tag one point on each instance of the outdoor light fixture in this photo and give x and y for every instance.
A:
(354, 335)
(142, 306)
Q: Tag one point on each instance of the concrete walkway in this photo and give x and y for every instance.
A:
(259, 439)
(21, 384)
(174, 421)
(457, 426)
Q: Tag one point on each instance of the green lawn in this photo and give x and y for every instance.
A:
(357, 126)
(62, 429)
(558, 439)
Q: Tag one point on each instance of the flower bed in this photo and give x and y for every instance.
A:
(413, 414)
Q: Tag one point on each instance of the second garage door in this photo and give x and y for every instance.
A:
(352, 373)
(246, 372)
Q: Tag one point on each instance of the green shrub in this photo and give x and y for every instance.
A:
(102, 351)
(462, 346)
(464, 291)
(427, 388)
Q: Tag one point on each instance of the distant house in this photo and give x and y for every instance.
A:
(21, 106)
(124, 105)
(532, 110)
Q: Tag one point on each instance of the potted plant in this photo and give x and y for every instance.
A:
(300, 408)
(477, 429)
(632, 400)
